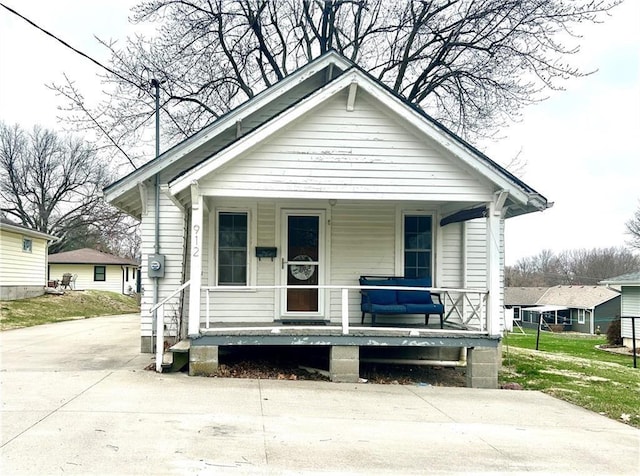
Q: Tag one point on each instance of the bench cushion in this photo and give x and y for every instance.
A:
(387, 309)
(415, 297)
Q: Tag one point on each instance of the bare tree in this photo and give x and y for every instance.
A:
(54, 184)
(633, 228)
(578, 267)
(470, 63)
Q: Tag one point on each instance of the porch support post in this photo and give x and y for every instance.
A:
(494, 249)
(197, 211)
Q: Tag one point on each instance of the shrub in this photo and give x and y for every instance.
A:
(614, 333)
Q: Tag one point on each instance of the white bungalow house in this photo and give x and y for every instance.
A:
(93, 269)
(23, 261)
(629, 285)
(331, 168)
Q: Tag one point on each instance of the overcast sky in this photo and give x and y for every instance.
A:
(580, 146)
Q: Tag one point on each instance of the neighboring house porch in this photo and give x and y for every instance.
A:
(93, 269)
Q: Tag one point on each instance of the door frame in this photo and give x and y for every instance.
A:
(324, 220)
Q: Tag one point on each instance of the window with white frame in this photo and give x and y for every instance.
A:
(232, 243)
(418, 245)
(581, 314)
(27, 245)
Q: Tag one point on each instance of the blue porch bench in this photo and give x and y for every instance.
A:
(396, 302)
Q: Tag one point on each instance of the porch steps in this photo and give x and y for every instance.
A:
(177, 356)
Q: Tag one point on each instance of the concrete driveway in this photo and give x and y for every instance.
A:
(75, 399)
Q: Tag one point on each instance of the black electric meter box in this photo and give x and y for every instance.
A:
(156, 266)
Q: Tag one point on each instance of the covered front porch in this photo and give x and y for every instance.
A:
(468, 338)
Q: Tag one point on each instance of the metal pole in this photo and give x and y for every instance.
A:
(539, 327)
(633, 340)
(156, 244)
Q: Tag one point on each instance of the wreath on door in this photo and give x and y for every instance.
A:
(302, 272)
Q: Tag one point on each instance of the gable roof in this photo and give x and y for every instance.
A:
(89, 256)
(629, 279)
(14, 227)
(576, 297)
(337, 74)
(523, 296)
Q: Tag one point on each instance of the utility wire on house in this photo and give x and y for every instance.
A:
(75, 50)
(84, 55)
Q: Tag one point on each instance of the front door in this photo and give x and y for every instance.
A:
(302, 263)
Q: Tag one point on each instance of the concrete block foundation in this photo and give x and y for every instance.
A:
(344, 363)
(483, 364)
(203, 360)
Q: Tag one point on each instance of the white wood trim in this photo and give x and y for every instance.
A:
(351, 98)
(197, 212)
(260, 134)
(252, 233)
(242, 111)
(324, 247)
(493, 268)
(401, 212)
(386, 99)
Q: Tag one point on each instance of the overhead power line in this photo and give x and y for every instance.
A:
(75, 50)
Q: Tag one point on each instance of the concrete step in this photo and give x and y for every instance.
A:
(177, 356)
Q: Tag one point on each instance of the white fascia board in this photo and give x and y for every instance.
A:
(215, 128)
(260, 134)
(28, 232)
(444, 139)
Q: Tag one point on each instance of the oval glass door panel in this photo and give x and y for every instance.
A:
(303, 234)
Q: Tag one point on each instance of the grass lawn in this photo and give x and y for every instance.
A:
(568, 366)
(71, 305)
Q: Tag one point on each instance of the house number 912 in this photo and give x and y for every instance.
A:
(196, 245)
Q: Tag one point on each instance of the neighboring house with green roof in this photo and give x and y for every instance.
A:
(629, 285)
(23, 261)
(580, 308)
(94, 269)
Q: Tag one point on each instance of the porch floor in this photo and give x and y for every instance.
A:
(277, 333)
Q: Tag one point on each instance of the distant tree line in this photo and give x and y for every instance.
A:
(581, 266)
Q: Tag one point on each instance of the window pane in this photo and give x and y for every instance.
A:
(232, 248)
(417, 246)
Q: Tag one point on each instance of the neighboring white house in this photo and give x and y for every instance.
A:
(23, 261)
(95, 270)
(629, 285)
(331, 168)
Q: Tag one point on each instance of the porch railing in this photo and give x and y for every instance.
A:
(457, 302)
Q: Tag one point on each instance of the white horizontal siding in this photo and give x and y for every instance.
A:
(630, 306)
(251, 305)
(452, 264)
(20, 268)
(172, 232)
(114, 276)
(362, 243)
(359, 154)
